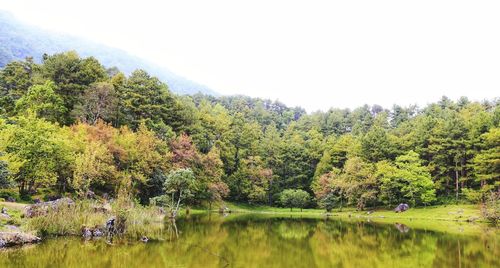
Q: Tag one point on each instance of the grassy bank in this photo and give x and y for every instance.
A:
(70, 220)
(439, 213)
(452, 219)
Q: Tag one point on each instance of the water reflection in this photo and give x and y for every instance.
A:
(267, 241)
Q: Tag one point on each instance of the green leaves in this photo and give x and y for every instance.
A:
(294, 198)
(406, 181)
(42, 101)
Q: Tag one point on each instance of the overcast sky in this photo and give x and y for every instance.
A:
(315, 54)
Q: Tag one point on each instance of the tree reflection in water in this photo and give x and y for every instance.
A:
(270, 241)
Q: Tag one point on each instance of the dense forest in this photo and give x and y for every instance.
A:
(72, 125)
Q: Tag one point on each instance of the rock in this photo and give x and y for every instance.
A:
(43, 207)
(10, 199)
(37, 201)
(110, 225)
(4, 210)
(144, 239)
(90, 195)
(86, 232)
(401, 208)
(97, 232)
(9, 239)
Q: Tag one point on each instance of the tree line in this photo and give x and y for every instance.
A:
(73, 125)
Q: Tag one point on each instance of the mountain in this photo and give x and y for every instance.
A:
(19, 40)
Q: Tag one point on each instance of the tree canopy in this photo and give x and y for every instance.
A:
(70, 124)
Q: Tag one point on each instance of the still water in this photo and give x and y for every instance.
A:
(270, 241)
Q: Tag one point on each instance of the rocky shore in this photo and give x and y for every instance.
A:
(10, 239)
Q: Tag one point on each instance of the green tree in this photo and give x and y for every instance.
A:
(294, 198)
(487, 162)
(42, 101)
(180, 184)
(72, 76)
(36, 152)
(406, 181)
(15, 79)
(5, 181)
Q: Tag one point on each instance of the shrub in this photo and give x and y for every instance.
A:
(491, 208)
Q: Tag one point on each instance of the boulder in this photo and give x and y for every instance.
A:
(43, 207)
(97, 232)
(401, 208)
(86, 232)
(9, 239)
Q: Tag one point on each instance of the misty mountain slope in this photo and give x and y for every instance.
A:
(18, 40)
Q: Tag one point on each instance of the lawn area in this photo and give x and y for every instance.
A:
(442, 212)
(453, 219)
(15, 211)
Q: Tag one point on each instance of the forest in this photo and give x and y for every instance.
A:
(73, 126)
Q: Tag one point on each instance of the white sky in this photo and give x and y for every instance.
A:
(315, 54)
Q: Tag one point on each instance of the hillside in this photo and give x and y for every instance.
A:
(18, 40)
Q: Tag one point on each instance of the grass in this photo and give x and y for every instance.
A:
(15, 211)
(441, 213)
(453, 219)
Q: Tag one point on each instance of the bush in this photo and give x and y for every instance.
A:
(9, 193)
(294, 198)
(491, 208)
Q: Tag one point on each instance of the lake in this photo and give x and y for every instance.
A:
(247, 240)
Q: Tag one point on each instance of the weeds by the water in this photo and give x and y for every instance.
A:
(68, 220)
(138, 221)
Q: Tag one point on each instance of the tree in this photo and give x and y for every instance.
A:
(180, 184)
(294, 198)
(376, 146)
(4, 175)
(15, 79)
(487, 163)
(216, 192)
(406, 181)
(42, 101)
(99, 101)
(359, 183)
(94, 167)
(72, 75)
(36, 152)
